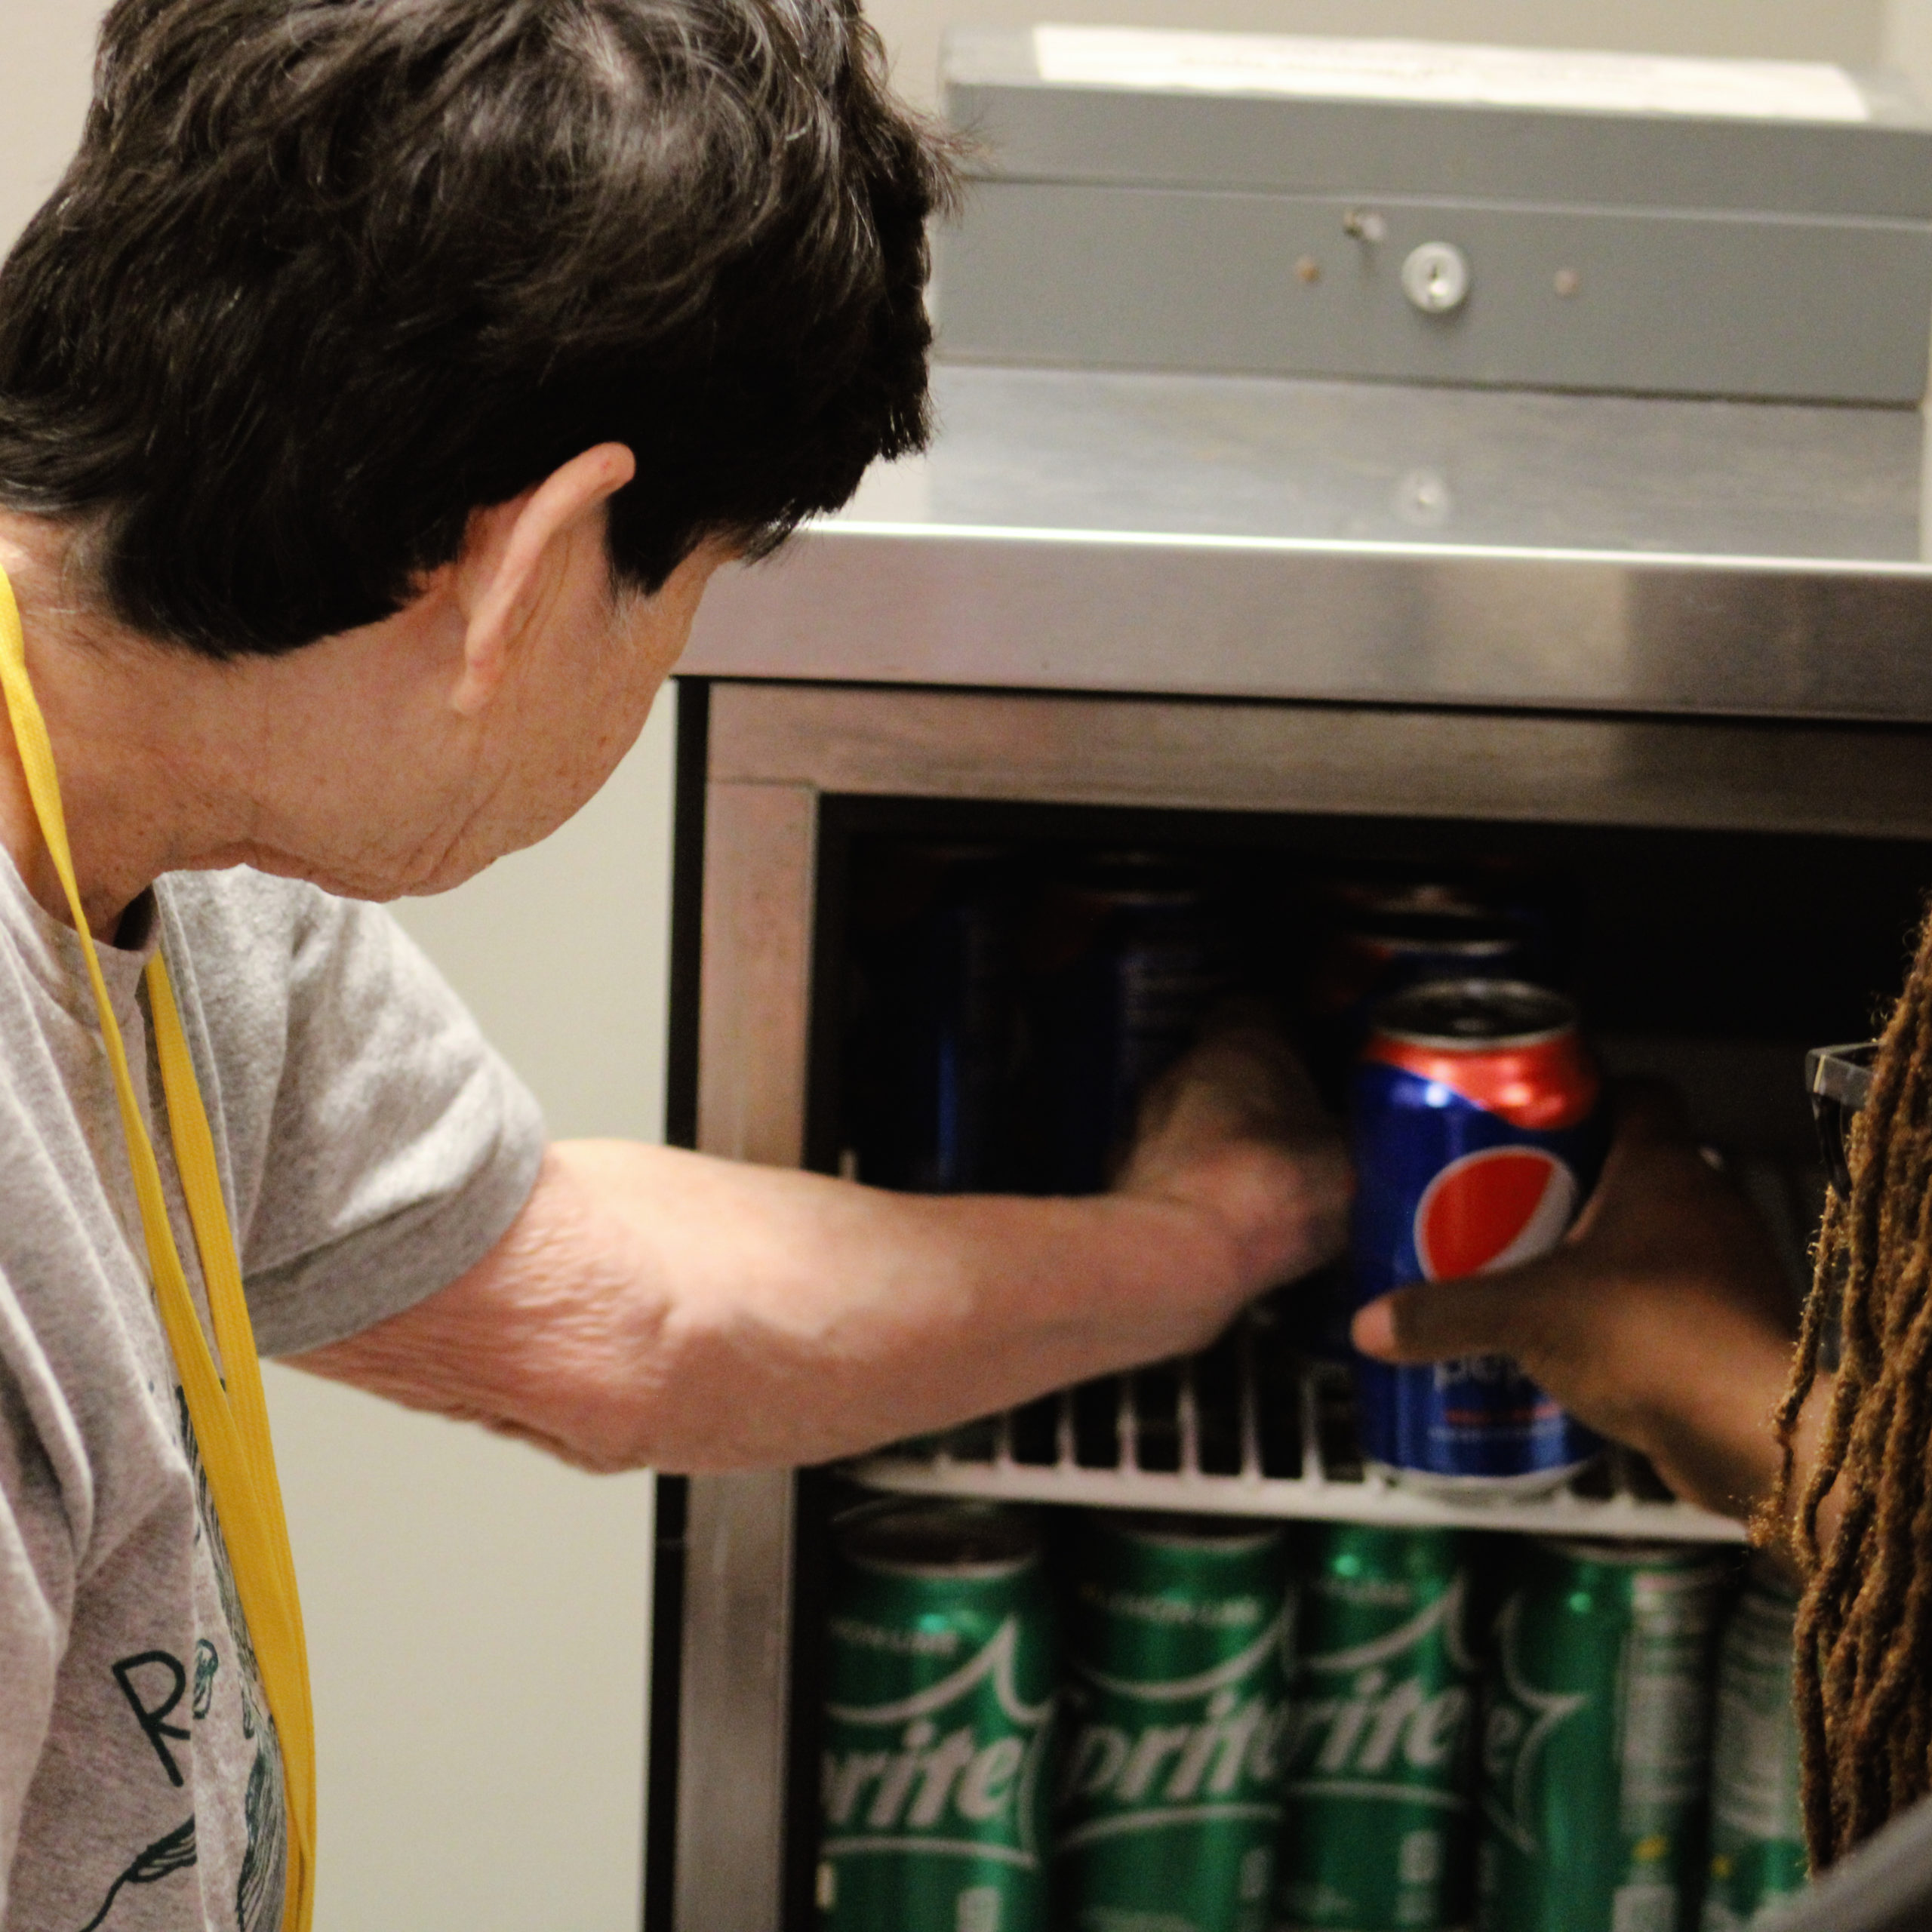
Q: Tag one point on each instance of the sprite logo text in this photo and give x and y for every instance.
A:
(1369, 1723)
(1177, 1763)
(1149, 1754)
(951, 1768)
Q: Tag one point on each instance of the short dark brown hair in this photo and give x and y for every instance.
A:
(327, 276)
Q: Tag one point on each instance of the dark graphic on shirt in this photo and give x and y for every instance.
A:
(264, 1875)
(262, 1881)
(153, 1683)
(175, 1853)
(207, 1523)
(207, 1661)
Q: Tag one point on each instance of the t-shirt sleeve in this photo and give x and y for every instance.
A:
(397, 1146)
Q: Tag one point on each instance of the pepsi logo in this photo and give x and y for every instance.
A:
(1492, 1209)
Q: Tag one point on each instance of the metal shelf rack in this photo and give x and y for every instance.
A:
(1251, 1429)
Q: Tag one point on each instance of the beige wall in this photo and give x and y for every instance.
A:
(478, 1614)
(1906, 42)
(49, 44)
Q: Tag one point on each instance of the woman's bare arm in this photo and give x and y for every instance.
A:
(652, 1307)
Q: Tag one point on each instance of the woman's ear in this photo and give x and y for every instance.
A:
(508, 551)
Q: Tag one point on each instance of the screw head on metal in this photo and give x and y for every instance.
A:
(1365, 225)
(1424, 497)
(1436, 278)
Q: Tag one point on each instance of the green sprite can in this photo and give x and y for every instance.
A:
(1757, 1824)
(1596, 1736)
(1170, 1784)
(939, 1706)
(1381, 1762)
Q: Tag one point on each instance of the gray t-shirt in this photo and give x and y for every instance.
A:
(373, 1147)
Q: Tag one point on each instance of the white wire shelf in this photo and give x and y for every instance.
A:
(1250, 1429)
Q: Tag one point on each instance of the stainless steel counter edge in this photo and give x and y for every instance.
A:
(1285, 618)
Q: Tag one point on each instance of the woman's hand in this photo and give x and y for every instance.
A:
(1236, 1130)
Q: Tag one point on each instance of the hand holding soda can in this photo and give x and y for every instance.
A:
(1477, 1135)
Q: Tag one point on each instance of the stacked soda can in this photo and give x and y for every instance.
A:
(1381, 1747)
(1333, 1728)
(1169, 1797)
(940, 1674)
(1007, 1014)
(1129, 960)
(939, 1015)
(1375, 932)
(1596, 1749)
(1757, 1854)
(1378, 953)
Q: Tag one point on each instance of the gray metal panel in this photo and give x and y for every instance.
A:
(1257, 537)
(759, 881)
(1692, 304)
(1884, 1886)
(1673, 774)
(1079, 612)
(734, 1701)
(1214, 456)
(735, 1708)
(1030, 129)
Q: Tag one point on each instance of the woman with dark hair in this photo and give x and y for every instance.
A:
(379, 391)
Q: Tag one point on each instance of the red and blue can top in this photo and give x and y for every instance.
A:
(1514, 1049)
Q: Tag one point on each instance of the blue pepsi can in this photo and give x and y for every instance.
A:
(938, 1030)
(1137, 961)
(1477, 1137)
(1377, 956)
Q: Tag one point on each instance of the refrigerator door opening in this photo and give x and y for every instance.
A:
(1718, 895)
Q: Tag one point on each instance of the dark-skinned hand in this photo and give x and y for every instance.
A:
(1665, 1320)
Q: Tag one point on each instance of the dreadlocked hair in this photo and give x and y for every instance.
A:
(1863, 1661)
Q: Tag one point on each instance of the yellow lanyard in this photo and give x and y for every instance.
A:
(231, 1423)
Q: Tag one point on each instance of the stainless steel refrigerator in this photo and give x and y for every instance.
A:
(1674, 651)
(1681, 651)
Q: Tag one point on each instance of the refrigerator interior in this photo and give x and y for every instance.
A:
(1708, 956)
(1708, 961)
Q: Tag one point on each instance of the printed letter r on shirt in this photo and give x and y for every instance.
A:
(153, 1718)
